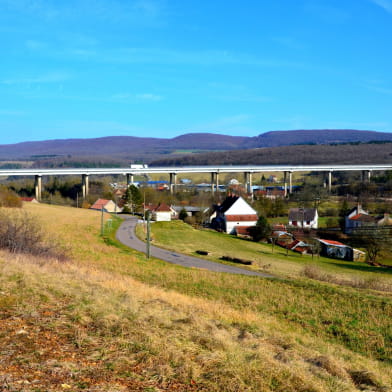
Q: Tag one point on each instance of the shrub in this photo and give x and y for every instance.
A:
(9, 198)
(21, 233)
(191, 220)
(183, 214)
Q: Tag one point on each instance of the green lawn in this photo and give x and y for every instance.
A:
(178, 236)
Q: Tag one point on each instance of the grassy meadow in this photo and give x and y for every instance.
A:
(177, 235)
(107, 319)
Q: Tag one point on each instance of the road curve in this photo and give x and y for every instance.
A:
(126, 235)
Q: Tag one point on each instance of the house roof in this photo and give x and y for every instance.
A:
(330, 242)
(302, 214)
(149, 206)
(99, 204)
(162, 207)
(227, 203)
(242, 230)
(241, 218)
(189, 208)
(28, 199)
(362, 218)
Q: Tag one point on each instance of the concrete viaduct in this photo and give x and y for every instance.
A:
(215, 171)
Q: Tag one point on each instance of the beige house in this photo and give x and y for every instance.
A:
(106, 205)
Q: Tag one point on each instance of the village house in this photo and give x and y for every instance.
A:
(190, 210)
(29, 199)
(305, 218)
(272, 178)
(106, 205)
(270, 193)
(357, 217)
(232, 215)
(384, 220)
(161, 212)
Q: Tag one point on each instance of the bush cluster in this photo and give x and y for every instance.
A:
(9, 198)
(21, 233)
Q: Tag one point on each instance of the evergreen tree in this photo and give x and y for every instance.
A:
(132, 199)
(261, 231)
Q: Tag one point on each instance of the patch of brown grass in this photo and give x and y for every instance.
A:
(372, 283)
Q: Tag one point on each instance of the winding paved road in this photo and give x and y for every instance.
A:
(126, 235)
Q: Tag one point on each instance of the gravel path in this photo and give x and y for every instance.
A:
(126, 235)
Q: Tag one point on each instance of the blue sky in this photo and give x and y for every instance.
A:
(162, 68)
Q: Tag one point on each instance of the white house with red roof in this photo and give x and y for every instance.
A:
(233, 215)
(162, 213)
(107, 206)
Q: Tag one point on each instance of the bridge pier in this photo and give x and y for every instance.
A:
(38, 187)
(249, 181)
(214, 182)
(366, 175)
(129, 179)
(173, 182)
(290, 182)
(85, 185)
(285, 183)
(329, 182)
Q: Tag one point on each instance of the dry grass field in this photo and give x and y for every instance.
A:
(106, 319)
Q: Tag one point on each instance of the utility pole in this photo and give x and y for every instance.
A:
(102, 221)
(148, 250)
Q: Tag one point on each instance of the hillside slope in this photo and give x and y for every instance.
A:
(107, 319)
(126, 148)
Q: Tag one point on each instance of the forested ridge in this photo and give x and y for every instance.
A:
(121, 150)
(351, 153)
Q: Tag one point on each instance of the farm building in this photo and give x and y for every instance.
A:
(336, 250)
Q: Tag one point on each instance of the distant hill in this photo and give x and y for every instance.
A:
(321, 136)
(351, 153)
(119, 146)
(123, 149)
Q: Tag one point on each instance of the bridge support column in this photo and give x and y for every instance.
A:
(290, 183)
(285, 183)
(329, 182)
(217, 182)
(246, 181)
(85, 186)
(366, 175)
(249, 183)
(129, 179)
(212, 183)
(173, 182)
(38, 187)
